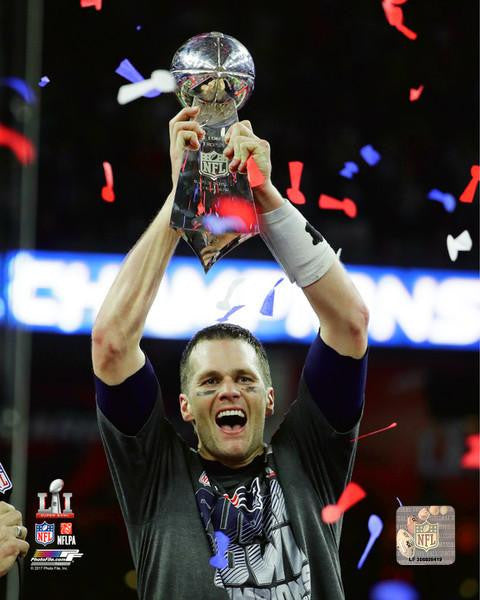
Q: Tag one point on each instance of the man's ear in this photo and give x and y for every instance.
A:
(270, 402)
(185, 408)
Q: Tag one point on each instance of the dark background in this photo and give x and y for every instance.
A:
(330, 79)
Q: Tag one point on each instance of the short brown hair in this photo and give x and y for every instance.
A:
(224, 331)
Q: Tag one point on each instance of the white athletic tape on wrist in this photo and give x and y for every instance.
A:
(299, 248)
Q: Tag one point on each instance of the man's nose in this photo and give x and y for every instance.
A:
(229, 389)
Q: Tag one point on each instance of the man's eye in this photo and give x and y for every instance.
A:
(210, 381)
(245, 379)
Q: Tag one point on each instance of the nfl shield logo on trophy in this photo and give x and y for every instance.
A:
(213, 164)
(426, 535)
(44, 533)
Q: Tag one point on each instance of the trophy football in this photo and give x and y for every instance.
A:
(213, 208)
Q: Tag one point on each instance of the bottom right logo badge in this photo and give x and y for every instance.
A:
(425, 535)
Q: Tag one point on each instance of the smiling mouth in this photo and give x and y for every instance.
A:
(231, 424)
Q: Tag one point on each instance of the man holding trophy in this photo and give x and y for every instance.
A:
(235, 518)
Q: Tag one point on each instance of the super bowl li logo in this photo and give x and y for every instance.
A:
(45, 533)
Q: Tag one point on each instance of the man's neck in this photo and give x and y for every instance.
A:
(232, 464)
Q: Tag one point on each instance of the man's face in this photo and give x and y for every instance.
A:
(225, 375)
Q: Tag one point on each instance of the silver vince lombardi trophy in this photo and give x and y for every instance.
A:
(213, 208)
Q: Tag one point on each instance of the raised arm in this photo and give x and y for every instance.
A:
(303, 253)
(119, 325)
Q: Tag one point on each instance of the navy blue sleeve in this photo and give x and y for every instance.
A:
(336, 384)
(129, 404)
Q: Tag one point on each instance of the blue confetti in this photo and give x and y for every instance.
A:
(267, 305)
(126, 70)
(220, 225)
(448, 201)
(349, 170)
(375, 527)
(399, 501)
(21, 87)
(44, 81)
(230, 313)
(393, 589)
(370, 155)
(219, 561)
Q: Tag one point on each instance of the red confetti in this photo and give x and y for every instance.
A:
(255, 176)
(96, 3)
(415, 93)
(394, 15)
(469, 192)
(471, 458)
(20, 145)
(293, 193)
(229, 206)
(348, 206)
(374, 432)
(352, 494)
(107, 191)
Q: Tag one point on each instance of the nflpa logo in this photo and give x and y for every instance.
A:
(66, 528)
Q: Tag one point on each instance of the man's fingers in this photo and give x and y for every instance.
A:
(241, 128)
(23, 547)
(12, 517)
(187, 140)
(185, 114)
(188, 125)
(17, 531)
(6, 507)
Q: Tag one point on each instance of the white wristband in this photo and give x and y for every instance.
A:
(299, 248)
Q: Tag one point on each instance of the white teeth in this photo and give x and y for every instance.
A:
(231, 413)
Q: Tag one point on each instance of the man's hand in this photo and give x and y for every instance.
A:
(184, 135)
(12, 537)
(242, 144)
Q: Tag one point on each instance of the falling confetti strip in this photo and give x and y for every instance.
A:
(255, 176)
(21, 87)
(348, 206)
(415, 93)
(160, 81)
(44, 81)
(462, 242)
(399, 501)
(107, 191)
(96, 3)
(375, 527)
(352, 494)
(267, 305)
(394, 15)
(225, 303)
(349, 170)
(471, 458)
(20, 145)
(370, 155)
(293, 193)
(230, 313)
(126, 70)
(219, 561)
(391, 426)
(448, 201)
(469, 192)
